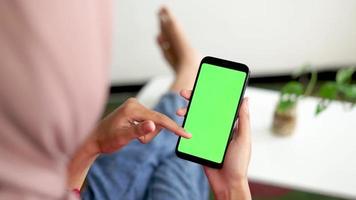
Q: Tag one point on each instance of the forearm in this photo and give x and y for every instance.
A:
(240, 191)
(80, 163)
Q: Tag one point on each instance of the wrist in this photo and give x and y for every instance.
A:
(91, 147)
(81, 162)
(239, 190)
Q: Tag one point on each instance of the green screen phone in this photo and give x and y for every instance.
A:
(212, 111)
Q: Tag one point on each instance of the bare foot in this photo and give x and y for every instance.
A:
(176, 49)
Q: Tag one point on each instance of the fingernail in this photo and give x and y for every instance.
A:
(246, 105)
(163, 17)
(189, 135)
(151, 127)
(166, 45)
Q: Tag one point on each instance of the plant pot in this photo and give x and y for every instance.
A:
(284, 122)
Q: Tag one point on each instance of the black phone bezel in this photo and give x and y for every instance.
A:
(225, 64)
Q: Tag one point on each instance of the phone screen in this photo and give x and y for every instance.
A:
(211, 113)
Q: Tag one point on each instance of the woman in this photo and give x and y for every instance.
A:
(53, 83)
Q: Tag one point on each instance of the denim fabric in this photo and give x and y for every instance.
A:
(148, 171)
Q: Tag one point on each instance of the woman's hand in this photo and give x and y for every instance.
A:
(129, 121)
(231, 182)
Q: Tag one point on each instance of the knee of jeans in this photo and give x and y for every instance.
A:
(169, 104)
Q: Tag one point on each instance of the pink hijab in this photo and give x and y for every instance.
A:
(53, 84)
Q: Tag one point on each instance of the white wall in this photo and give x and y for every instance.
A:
(273, 36)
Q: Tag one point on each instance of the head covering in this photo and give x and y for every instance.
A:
(53, 84)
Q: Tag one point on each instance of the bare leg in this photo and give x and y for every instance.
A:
(175, 178)
(177, 51)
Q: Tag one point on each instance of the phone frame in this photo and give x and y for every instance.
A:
(224, 64)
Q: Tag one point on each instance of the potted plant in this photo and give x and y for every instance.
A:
(285, 117)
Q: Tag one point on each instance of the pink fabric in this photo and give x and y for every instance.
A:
(54, 57)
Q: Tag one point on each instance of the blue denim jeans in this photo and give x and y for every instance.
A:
(148, 171)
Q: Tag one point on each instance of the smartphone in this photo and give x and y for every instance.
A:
(212, 111)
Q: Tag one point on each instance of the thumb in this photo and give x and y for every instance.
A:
(122, 137)
(243, 127)
(143, 128)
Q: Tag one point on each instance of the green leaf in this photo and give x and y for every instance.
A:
(322, 105)
(343, 87)
(328, 91)
(293, 87)
(350, 92)
(285, 105)
(344, 75)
